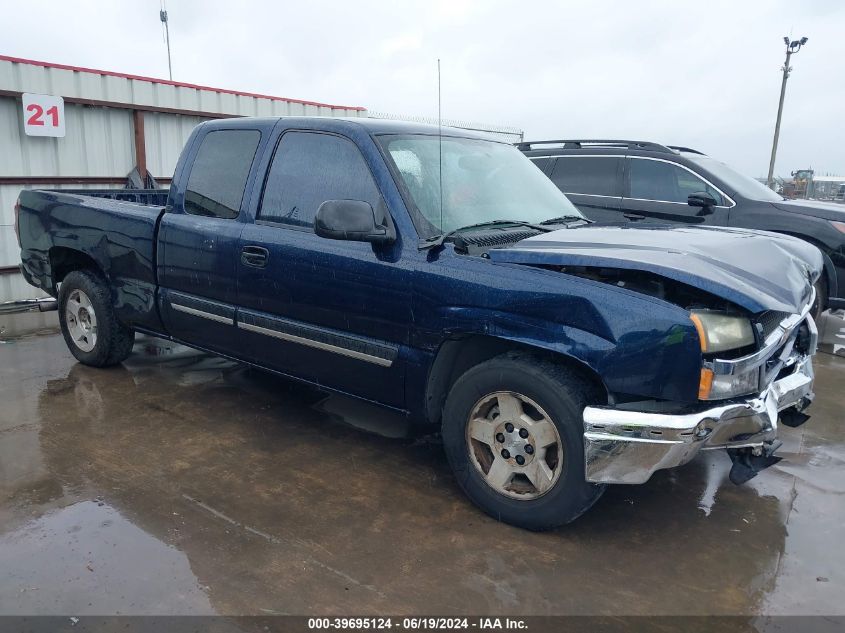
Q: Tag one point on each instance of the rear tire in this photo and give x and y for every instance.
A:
(520, 407)
(92, 332)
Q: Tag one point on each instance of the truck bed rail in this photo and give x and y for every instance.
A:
(148, 197)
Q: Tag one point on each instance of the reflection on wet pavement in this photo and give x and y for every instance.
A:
(101, 563)
(241, 493)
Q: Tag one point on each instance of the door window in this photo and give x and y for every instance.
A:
(666, 182)
(218, 176)
(592, 175)
(543, 163)
(310, 168)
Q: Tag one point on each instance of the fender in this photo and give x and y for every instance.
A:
(657, 358)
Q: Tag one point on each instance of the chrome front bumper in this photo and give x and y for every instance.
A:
(627, 447)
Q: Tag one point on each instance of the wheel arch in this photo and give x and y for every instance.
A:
(459, 353)
(64, 260)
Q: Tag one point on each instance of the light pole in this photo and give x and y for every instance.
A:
(163, 17)
(791, 47)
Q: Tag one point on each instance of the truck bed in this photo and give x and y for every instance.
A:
(113, 228)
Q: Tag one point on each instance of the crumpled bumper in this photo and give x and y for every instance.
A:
(627, 447)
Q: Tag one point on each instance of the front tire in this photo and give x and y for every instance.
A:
(513, 434)
(92, 332)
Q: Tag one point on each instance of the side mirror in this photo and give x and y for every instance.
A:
(354, 220)
(701, 199)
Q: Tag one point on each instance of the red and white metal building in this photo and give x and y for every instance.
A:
(114, 123)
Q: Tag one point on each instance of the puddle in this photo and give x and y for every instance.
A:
(87, 559)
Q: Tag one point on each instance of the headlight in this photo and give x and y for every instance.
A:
(718, 331)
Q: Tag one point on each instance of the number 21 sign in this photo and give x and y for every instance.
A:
(43, 115)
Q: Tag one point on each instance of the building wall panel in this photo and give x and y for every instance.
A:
(98, 142)
(11, 130)
(165, 137)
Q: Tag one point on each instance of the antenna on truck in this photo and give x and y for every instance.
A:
(439, 146)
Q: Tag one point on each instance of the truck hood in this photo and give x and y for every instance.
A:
(753, 269)
(815, 209)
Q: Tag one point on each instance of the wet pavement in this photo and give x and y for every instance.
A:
(181, 483)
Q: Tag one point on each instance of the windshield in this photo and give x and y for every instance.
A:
(742, 185)
(483, 181)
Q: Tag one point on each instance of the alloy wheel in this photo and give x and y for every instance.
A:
(515, 445)
(81, 320)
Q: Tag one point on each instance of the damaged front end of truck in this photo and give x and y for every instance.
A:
(749, 296)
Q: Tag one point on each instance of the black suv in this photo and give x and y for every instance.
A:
(634, 181)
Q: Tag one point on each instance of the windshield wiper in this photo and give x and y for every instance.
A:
(564, 219)
(440, 239)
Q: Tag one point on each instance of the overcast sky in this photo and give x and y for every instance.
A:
(702, 74)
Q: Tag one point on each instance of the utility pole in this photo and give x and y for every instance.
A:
(163, 17)
(791, 47)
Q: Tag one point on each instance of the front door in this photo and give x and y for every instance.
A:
(331, 311)
(657, 192)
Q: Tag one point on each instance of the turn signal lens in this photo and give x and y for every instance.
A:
(702, 336)
(705, 384)
(839, 226)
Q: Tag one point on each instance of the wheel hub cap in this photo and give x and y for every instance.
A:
(81, 320)
(515, 445)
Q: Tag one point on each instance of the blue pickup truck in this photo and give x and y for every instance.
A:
(442, 275)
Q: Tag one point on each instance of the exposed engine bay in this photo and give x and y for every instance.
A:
(652, 285)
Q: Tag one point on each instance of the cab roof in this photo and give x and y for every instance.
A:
(375, 127)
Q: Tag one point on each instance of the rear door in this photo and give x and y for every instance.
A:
(330, 311)
(199, 238)
(593, 183)
(657, 192)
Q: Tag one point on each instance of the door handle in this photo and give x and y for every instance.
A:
(255, 256)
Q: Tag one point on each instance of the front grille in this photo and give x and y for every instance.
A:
(770, 321)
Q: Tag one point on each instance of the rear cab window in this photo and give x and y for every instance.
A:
(219, 173)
